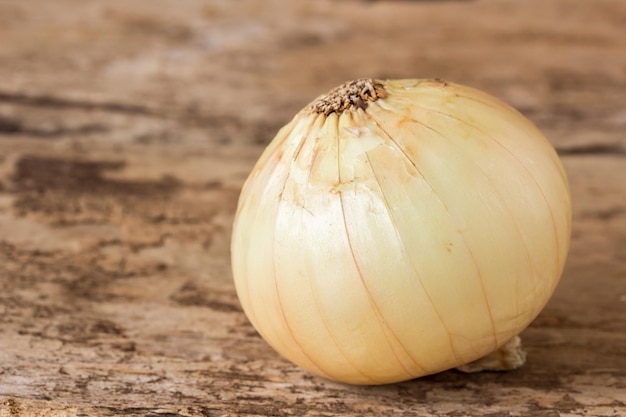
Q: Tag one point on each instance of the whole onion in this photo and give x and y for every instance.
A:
(394, 229)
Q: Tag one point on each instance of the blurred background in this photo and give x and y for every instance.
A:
(128, 127)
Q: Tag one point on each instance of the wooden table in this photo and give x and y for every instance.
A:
(128, 128)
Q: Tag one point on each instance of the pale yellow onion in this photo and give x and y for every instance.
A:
(395, 229)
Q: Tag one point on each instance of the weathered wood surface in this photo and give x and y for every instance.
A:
(127, 129)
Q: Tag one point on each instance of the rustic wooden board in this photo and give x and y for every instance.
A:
(127, 129)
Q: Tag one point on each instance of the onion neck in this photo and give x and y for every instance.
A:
(348, 96)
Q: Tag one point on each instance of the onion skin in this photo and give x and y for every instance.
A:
(407, 233)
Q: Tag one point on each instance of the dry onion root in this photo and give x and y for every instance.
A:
(395, 229)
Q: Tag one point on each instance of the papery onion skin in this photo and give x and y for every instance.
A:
(418, 228)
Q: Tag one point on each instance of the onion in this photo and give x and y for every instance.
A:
(395, 229)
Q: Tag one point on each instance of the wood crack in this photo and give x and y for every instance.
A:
(592, 149)
(66, 103)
